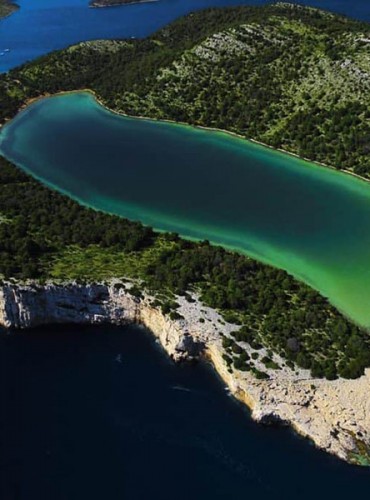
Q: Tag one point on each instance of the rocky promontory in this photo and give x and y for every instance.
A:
(7, 7)
(335, 415)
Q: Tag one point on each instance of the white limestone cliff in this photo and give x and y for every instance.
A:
(335, 415)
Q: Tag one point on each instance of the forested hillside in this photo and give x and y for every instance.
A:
(292, 77)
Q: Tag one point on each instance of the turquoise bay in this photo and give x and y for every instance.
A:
(309, 220)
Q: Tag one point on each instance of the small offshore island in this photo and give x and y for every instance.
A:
(116, 3)
(279, 345)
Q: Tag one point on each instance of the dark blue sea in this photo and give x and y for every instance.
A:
(41, 26)
(101, 413)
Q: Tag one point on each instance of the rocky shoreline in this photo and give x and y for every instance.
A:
(335, 415)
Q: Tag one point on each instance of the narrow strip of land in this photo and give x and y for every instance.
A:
(116, 3)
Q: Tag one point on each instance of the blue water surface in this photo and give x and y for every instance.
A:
(101, 414)
(41, 26)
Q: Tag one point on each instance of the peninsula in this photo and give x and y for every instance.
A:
(7, 7)
(280, 346)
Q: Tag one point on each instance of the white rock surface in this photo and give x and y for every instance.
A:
(335, 415)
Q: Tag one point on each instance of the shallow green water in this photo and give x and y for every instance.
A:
(309, 220)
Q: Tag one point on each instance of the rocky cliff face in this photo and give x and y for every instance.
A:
(26, 306)
(334, 414)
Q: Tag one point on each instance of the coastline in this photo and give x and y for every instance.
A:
(339, 407)
(334, 415)
(100, 101)
(215, 129)
(12, 6)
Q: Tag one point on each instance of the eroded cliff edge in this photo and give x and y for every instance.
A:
(335, 415)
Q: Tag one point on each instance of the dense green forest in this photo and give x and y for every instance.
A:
(44, 234)
(290, 76)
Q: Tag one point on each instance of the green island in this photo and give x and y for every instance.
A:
(7, 7)
(274, 74)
